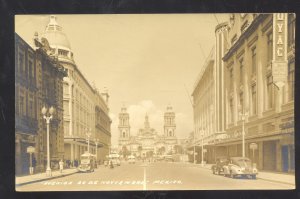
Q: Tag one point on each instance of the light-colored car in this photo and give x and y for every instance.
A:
(240, 167)
(115, 162)
(131, 160)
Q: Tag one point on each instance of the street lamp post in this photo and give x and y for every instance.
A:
(96, 142)
(243, 117)
(194, 149)
(88, 134)
(202, 152)
(48, 118)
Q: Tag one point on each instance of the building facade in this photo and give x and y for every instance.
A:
(38, 83)
(86, 112)
(147, 142)
(254, 86)
(204, 108)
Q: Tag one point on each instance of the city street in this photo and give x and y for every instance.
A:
(150, 176)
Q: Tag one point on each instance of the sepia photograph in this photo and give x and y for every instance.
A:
(114, 102)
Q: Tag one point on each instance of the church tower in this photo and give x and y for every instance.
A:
(169, 123)
(124, 127)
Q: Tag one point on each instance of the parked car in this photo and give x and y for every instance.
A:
(240, 167)
(217, 168)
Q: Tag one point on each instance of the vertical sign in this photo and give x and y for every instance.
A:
(279, 66)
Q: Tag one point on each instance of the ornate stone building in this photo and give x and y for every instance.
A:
(38, 83)
(147, 142)
(85, 108)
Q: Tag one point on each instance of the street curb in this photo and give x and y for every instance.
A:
(277, 181)
(44, 179)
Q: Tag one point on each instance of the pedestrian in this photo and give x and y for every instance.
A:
(76, 163)
(111, 164)
(61, 166)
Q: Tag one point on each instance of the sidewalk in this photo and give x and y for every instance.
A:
(42, 176)
(264, 175)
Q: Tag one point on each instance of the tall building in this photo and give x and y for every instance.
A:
(204, 108)
(259, 83)
(38, 83)
(254, 89)
(147, 142)
(86, 112)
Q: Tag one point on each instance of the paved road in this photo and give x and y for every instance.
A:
(150, 176)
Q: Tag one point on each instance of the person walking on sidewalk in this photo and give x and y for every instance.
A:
(61, 166)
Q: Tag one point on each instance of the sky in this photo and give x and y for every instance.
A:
(146, 61)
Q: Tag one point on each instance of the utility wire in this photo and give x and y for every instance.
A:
(188, 95)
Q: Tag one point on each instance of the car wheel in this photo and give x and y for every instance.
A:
(213, 171)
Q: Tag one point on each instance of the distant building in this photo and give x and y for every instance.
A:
(38, 83)
(147, 142)
(85, 108)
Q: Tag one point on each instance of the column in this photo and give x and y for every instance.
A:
(260, 76)
(260, 155)
(72, 152)
(235, 99)
(76, 151)
(70, 107)
(278, 98)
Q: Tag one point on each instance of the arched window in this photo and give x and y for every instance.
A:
(170, 133)
(124, 134)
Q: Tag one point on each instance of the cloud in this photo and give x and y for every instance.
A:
(137, 113)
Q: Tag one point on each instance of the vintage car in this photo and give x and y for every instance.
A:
(115, 159)
(240, 167)
(220, 163)
(87, 162)
(131, 159)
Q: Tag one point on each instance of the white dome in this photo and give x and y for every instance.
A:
(55, 36)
